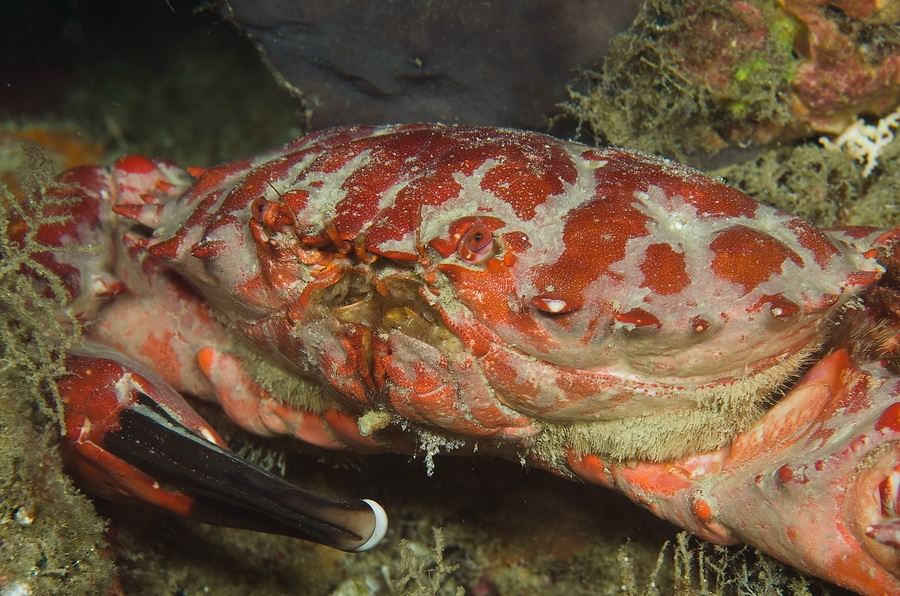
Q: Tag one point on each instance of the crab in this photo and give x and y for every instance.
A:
(603, 314)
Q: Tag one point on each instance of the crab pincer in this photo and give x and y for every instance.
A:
(130, 436)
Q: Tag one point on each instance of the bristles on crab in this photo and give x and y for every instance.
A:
(868, 338)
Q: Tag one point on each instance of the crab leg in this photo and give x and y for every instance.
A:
(129, 435)
(812, 484)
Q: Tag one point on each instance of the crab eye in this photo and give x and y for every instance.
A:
(258, 208)
(477, 244)
(471, 238)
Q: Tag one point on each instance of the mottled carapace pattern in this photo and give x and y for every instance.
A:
(586, 283)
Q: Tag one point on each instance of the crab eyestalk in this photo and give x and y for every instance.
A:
(129, 436)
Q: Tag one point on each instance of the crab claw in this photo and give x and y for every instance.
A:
(130, 436)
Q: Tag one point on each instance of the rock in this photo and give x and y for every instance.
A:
(505, 62)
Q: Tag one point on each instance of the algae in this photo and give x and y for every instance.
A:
(39, 553)
(825, 186)
(422, 571)
(690, 77)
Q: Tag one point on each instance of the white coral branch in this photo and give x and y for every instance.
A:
(865, 142)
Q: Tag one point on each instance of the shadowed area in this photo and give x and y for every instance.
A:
(500, 63)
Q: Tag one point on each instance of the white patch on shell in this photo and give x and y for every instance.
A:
(326, 190)
(238, 263)
(546, 229)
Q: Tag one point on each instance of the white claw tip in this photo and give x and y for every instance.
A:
(381, 524)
